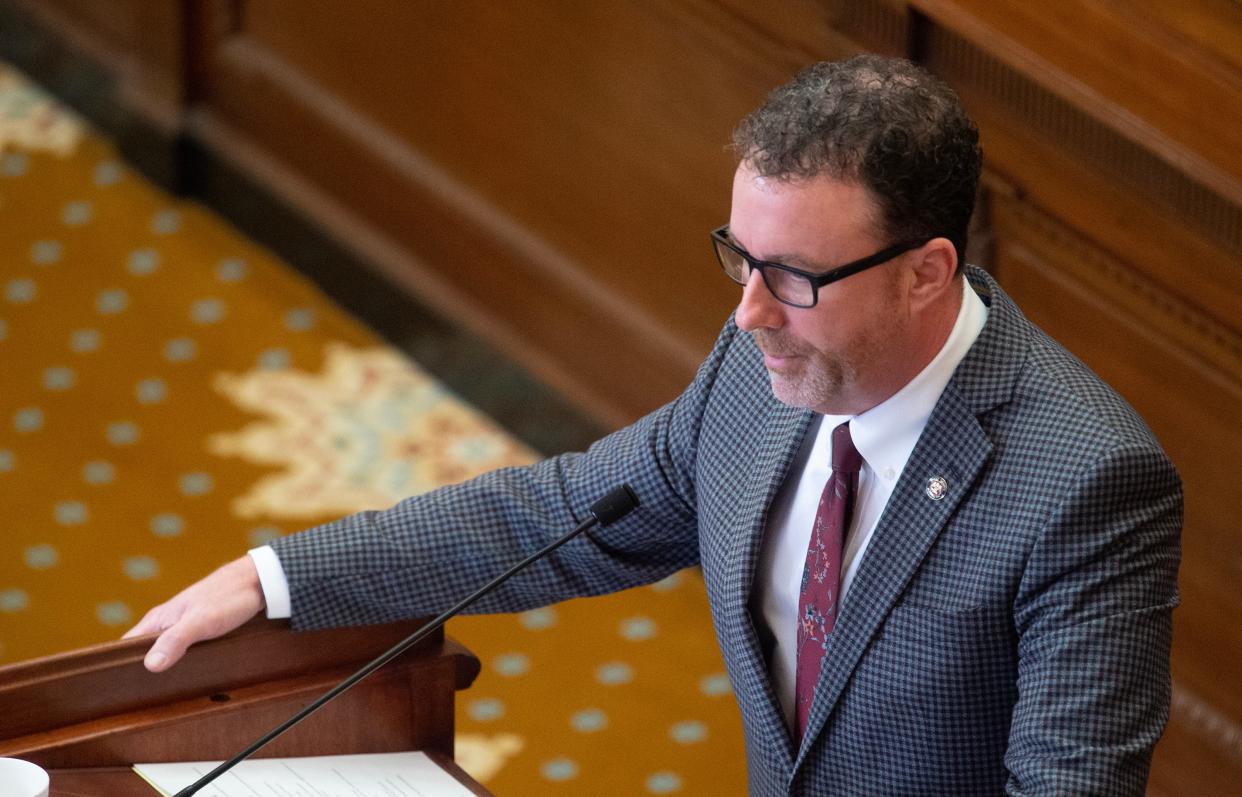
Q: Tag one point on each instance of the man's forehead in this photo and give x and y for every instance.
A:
(807, 222)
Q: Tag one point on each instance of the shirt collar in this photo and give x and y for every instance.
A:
(886, 434)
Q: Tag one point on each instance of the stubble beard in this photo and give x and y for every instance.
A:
(813, 379)
(830, 382)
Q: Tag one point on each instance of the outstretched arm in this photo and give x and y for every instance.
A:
(418, 557)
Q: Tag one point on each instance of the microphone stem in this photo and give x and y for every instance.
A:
(392, 653)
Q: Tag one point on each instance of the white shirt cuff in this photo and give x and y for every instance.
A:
(273, 582)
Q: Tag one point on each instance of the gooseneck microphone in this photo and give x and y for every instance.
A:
(616, 504)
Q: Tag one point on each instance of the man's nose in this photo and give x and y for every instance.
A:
(758, 308)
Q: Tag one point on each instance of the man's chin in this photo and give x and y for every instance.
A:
(788, 390)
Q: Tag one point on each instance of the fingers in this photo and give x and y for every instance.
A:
(168, 649)
(152, 622)
(210, 608)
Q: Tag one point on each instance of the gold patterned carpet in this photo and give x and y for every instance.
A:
(171, 395)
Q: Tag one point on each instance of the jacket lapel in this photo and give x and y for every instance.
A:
(782, 437)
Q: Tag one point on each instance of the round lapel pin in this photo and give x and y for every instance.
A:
(937, 487)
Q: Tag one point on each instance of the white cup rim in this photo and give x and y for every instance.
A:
(33, 778)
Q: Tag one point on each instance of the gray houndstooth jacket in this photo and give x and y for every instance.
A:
(1011, 636)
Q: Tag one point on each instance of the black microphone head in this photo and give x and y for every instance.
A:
(619, 502)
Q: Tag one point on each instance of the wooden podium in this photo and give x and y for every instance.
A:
(87, 715)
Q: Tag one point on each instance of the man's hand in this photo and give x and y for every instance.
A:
(207, 609)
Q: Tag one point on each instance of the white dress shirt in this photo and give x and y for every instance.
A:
(885, 436)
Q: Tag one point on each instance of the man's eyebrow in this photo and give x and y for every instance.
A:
(795, 261)
(784, 260)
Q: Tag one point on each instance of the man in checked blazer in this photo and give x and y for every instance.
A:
(1002, 621)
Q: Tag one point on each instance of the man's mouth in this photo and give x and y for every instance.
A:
(775, 356)
(774, 361)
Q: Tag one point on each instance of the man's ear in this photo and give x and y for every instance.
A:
(933, 266)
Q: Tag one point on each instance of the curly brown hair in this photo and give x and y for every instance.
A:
(884, 122)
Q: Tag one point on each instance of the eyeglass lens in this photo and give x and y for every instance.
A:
(784, 285)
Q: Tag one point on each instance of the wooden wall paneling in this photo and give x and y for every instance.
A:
(1201, 754)
(1060, 160)
(1205, 31)
(581, 145)
(466, 258)
(141, 42)
(881, 26)
(1129, 81)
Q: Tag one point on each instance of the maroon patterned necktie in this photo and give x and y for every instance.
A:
(821, 578)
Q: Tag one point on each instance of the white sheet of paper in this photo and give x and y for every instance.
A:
(368, 775)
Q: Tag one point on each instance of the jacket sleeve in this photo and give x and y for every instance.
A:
(1094, 617)
(423, 554)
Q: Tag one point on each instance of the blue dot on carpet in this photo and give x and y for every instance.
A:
(688, 732)
(21, 291)
(559, 769)
(538, 619)
(111, 301)
(589, 720)
(511, 664)
(14, 164)
(84, 340)
(668, 584)
(193, 484)
(151, 391)
(207, 311)
(167, 524)
(70, 513)
(663, 783)
(166, 222)
(485, 709)
(122, 433)
(98, 472)
(28, 419)
(179, 350)
(262, 535)
(232, 269)
(141, 568)
(637, 629)
(13, 601)
(77, 213)
(46, 252)
(59, 377)
(113, 613)
(614, 673)
(41, 557)
(143, 262)
(300, 319)
(107, 173)
(274, 359)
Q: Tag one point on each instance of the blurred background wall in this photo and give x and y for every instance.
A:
(546, 172)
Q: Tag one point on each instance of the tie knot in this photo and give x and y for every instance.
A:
(845, 457)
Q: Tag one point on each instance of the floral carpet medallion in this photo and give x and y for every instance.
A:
(31, 120)
(369, 430)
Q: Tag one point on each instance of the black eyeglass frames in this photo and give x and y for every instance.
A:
(793, 286)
